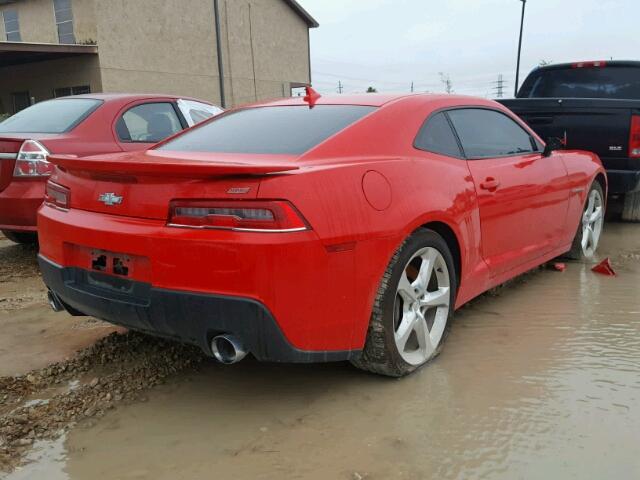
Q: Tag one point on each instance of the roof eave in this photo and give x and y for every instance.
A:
(306, 16)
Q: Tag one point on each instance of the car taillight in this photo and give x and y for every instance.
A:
(634, 137)
(238, 215)
(32, 160)
(56, 195)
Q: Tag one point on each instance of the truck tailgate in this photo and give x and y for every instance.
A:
(581, 121)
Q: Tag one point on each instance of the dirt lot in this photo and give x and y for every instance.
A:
(540, 379)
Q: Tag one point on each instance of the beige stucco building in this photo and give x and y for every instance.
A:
(60, 47)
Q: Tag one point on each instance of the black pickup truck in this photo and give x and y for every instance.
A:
(593, 106)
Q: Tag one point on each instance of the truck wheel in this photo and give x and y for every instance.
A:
(413, 308)
(631, 209)
(24, 238)
(587, 238)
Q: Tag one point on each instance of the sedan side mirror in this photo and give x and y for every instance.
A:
(553, 143)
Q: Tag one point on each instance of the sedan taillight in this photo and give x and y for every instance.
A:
(56, 195)
(32, 160)
(634, 138)
(238, 215)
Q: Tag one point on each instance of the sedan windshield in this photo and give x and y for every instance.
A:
(52, 116)
(269, 130)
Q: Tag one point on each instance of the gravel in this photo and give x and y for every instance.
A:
(45, 403)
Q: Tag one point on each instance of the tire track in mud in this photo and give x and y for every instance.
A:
(45, 403)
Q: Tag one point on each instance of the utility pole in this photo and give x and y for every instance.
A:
(411, 87)
(524, 3)
(499, 86)
(340, 87)
(216, 13)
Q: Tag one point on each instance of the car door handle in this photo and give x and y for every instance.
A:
(490, 184)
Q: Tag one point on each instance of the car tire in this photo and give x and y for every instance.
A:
(631, 208)
(395, 307)
(587, 238)
(23, 238)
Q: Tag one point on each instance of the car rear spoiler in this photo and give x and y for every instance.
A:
(164, 166)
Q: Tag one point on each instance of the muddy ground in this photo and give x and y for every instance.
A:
(540, 379)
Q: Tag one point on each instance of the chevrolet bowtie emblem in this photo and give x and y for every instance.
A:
(110, 199)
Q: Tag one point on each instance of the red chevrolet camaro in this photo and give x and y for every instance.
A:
(81, 125)
(317, 229)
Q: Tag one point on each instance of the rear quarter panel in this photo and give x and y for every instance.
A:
(422, 187)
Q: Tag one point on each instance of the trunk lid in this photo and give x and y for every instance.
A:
(582, 120)
(142, 185)
(8, 152)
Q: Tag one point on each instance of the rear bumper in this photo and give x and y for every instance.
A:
(19, 204)
(623, 181)
(185, 316)
(319, 299)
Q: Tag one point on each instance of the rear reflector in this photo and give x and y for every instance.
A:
(32, 160)
(56, 195)
(634, 137)
(238, 215)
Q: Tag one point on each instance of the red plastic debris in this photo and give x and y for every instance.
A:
(604, 268)
(311, 97)
(560, 267)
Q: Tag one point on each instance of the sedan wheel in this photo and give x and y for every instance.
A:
(413, 308)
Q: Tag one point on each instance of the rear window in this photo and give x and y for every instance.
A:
(52, 116)
(608, 82)
(269, 130)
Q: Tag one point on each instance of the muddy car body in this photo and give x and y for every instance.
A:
(81, 125)
(331, 228)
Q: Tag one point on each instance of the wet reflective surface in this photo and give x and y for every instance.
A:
(539, 380)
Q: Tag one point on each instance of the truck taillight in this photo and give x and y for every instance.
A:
(56, 195)
(32, 160)
(594, 64)
(634, 137)
(238, 215)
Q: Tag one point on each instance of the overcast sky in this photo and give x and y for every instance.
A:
(390, 43)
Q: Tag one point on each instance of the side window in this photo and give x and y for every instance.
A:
(148, 123)
(436, 136)
(488, 133)
(196, 112)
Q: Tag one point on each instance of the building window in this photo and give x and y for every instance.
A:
(66, 91)
(21, 100)
(64, 21)
(11, 25)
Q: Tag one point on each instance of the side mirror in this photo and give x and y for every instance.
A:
(553, 143)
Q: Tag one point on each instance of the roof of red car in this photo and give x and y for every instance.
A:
(370, 99)
(132, 96)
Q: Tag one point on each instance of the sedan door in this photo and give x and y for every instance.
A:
(522, 195)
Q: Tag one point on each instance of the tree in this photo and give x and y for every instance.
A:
(446, 81)
(371, 90)
(544, 63)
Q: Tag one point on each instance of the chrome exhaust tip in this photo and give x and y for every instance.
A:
(228, 349)
(54, 302)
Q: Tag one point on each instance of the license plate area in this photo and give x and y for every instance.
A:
(118, 265)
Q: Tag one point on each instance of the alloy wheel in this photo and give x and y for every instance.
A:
(422, 304)
(592, 221)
